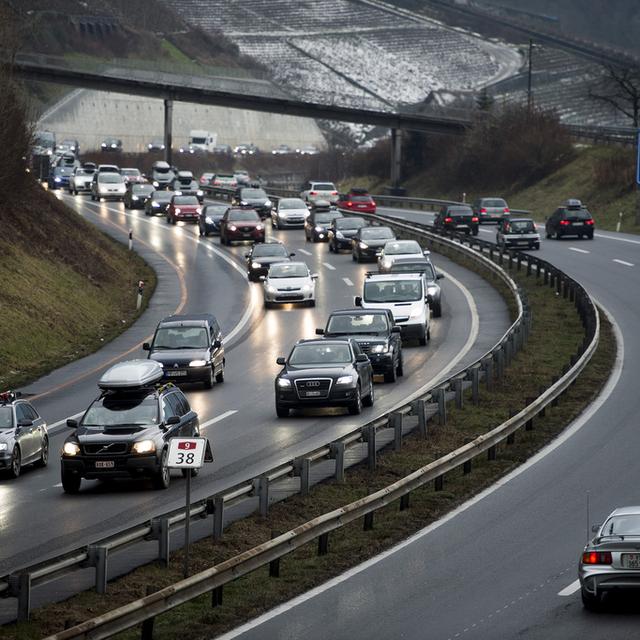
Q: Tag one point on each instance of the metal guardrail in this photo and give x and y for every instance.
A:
(423, 406)
(145, 609)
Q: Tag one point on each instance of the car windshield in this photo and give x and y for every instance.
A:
(393, 291)
(291, 203)
(215, 211)
(324, 218)
(350, 223)
(318, 353)
(244, 216)
(627, 525)
(494, 202)
(162, 196)
(323, 186)
(110, 178)
(142, 188)
(181, 338)
(269, 250)
(521, 226)
(6, 418)
(377, 233)
(121, 410)
(198, 141)
(358, 323)
(185, 200)
(580, 214)
(401, 247)
(253, 193)
(290, 270)
(414, 267)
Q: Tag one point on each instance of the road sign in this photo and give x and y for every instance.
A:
(187, 453)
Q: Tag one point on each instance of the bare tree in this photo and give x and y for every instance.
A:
(620, 88)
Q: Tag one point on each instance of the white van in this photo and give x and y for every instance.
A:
(405, 295)
(200, 140)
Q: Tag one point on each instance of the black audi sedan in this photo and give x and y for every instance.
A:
(190, 348)
(324, 373)
(158, 202)
(376, 334)
(137, 195)
(367, 243)
(262, 256)
(125, 432)
(341, 230)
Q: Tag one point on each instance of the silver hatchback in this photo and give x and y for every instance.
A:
(611, 561)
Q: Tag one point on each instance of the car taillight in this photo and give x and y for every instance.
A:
(313, 193)
(506, 209)
(349, 204)
(596, 557)
(373, 203)
(588, 221)
(334, 193)
(483, 210)
(564, 223)
(448, 220)
(474, 219)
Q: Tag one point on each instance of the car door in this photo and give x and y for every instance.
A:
(39, 428)
(25, 435)
(188, 418)
(363, 368)
(217, 352)
(169, 409)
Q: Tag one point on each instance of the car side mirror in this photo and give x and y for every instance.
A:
(281, 361)
(357, 301)
(246, 255)
(314, 276)
(395, 330)
(171, 420)
(217, 344)
(146, 346)
(595, 528)
(292, 254)
(72, 423)
(362, 357)
(25, 423)
(319, 332)
(439, 276)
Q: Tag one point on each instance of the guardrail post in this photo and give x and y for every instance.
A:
(370, 436)
(438, 483)
(458, 388)
(508, 347)
(421, 410)
(491, 453)
(98, 557)
(466, 467)
(518, 262)
(274, 565)
(216, 597)
(163, 533)
(218, 517)
(475, 385)
(528, 267)
(500, 363)
(558, 284)
(21, 588)
(395, 420)
(488, 372)
(323, 544)
(510, 263)
(337, 452)
(146, 633)
(572, 293)
(491, 257)
(305, 476)
(404, 501)
(261, 487)
(441, 395)
(368, 521)
(545, 280)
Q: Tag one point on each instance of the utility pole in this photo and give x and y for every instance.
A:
(529, 93)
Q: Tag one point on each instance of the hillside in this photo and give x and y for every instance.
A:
(65, 287)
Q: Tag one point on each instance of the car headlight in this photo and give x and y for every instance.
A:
(284, 383)
(256, 265)
(208, 220)
(268, 203)
(156, 184)
(198, 363)
(345, 380)
(307, 288)
(233, 227)
(144, 446)
(103, 145)
(71, 449)
(271, 289)
(113, 146)
(259, 227)
(339, 235)
(432, 291)
(198, 210)
(57, 179)
(178, 210)
(244, 203)
(319, 229)
(386, 263)
(155, 204)
(3, 446)
(364, 245)
(199, 193)
(380, 348)
(134, 197)
(150, 146)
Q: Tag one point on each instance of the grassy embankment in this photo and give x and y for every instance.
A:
(65, 288)
(555, 336)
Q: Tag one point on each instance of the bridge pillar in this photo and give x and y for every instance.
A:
(168, 129)
(396, 159)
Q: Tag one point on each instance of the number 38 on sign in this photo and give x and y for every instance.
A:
(187, 453)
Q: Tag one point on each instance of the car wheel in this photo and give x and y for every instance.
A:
(537, 246)
(71, 482)
(15, 466)
(208, 383)
(44, 454)
(558, 235)
(282, 412)
(423, 338)
(391, 375)
(162, 479)
(590, 236)
(589, 601)
(437, 310)
(400, 369)
(220, 375)
(312, 303)
(371, 396)
(267, 305)
(355, 407)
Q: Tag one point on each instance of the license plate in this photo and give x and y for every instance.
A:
(311, 394)
(105, 464)
(578, 224)
(246, 235)
(631, 560)
(176, 373)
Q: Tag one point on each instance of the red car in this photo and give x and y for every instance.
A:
(241, 224)
(357, 200)
(183, 208)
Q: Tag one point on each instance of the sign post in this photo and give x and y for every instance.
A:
(188, 453)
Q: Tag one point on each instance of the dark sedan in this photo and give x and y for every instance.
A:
(571, 219)
(458, 218)
(59, 177)
(324, 373)
(255, 198)
(367, 243)
(210, 218)
(316, 226)
(262, 256)
(137, 195)
(341, 230)
(158, 202)
(23, 435)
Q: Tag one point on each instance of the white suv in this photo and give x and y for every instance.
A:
(320, 192)
(405, 295)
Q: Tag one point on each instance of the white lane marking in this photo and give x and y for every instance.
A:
(222, 416)
(55, 486)
(570, 590)
(571, 430)
(623, 262)
(578, 250)
(600, 235)
(54, 427)
(306, 253)
(329, 266)
(348, 282)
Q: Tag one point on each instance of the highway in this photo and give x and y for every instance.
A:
(504, 565)
(37, 520)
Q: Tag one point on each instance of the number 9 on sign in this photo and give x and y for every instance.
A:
(186, 453)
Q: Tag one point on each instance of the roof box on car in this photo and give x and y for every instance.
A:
(133, 374)
(573, 203)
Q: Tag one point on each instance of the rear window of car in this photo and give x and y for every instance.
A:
(460, 211)
(494, 202)
(579, 214)
(360, 198)
(322, 186)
